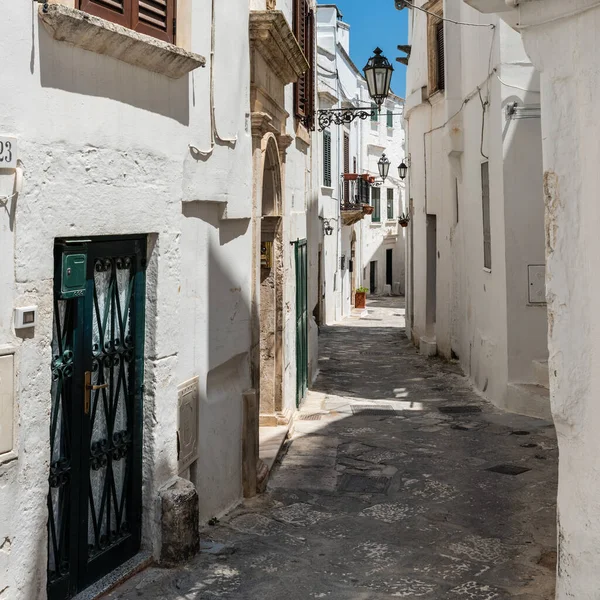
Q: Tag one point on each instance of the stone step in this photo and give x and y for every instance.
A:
(541, 374)
(529, 399)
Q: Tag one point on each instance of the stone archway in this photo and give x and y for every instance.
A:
(271, 287)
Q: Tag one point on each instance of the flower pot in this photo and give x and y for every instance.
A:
(403, 223)
(360, 299)
(367, 209)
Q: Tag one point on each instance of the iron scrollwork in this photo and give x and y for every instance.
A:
(342, 116)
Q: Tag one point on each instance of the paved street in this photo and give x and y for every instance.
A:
(385, 490)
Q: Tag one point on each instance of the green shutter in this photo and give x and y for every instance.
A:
(390, 203)
(376, 196)
(374, 112)
(327, 158)
(390, 119)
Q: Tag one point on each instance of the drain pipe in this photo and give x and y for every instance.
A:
(214, 134)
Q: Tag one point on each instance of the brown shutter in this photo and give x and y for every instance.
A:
(116, 11)
(300, 87)
(441, 58)
(347, 167)
(155, 18)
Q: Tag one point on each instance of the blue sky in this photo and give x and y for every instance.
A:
(376, 23)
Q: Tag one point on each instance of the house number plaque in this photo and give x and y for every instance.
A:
(8, 152)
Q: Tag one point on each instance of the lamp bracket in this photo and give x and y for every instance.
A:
(342, 116)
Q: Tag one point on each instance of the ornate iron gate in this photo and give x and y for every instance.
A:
(94, 503)
(301, 321)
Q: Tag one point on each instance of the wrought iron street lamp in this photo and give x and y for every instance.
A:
(378, 74)
(402, 170)
(384, 166)
(327, 228)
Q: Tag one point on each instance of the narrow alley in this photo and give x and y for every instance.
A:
(398, 481)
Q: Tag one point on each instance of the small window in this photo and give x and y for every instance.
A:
(435, 47)
(390, 204)
(327, 158)
(390, 119)
(151, 17)
(487, 233)
(374, 112)
(376, 202)
(439, 38)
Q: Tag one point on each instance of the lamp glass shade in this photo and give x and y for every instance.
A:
(402, 170)
(384, 166)
(378, 73)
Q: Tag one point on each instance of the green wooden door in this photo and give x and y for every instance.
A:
(94, 502)
(301, 321)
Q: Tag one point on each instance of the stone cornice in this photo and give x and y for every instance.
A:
(271, 36)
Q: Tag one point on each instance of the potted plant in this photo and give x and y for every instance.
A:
(360, 297)
(368, 209)
(403, 219)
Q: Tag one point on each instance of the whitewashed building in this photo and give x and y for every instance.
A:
(476, 238)
(356, 252)
(144, 163)
(561, 40)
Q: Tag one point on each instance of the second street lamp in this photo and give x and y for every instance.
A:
(378, 74)
(384, 166)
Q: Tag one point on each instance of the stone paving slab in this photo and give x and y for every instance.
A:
(367, 505)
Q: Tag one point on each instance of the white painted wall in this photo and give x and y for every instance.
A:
(561, 40)
(104, 149)
(482, 316)
(378, 237)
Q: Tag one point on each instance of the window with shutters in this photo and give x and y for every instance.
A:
(487, 228)
(376, 202)
(435, 44)
(327, 158)
(150, 17)
(390, 119)
(390, 203)
(374, 112)
(304, 89)
(347, 199)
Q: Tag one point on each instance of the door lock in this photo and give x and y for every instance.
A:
(89, 387)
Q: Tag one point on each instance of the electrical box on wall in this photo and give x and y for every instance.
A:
(7, 398)
(25, 317)
(188, 402)
(537, 284)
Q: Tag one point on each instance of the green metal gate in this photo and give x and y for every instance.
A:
(94, 502)
(301, 321)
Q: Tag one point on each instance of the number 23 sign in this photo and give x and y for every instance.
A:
(8, 152)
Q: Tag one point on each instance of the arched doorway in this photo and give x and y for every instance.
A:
(271, 287)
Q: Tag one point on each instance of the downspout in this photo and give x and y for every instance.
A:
(214, 134)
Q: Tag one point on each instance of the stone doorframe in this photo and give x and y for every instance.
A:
(267, 327)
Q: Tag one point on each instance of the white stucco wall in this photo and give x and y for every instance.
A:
(483, 316)
(104, 149)
(561, 40)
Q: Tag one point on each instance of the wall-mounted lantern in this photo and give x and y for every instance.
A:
(378, 74)
(383, 165)
(327, 228)
(402, 170)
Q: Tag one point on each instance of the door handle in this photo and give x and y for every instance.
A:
(89, 387)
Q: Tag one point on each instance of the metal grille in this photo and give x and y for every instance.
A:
(487, 228)
(373, 409)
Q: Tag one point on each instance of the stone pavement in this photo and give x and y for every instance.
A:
(386, 491)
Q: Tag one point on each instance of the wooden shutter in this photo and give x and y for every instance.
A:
(304, 89)
(441, 63)
(151, 17)
(390, 203)
(327, 158)
(155, 18)
(347, 167)
(390, 119)
(376, 196)
(116, 11)
(374, 112)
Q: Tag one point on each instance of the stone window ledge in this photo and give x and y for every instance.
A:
(97, 35)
